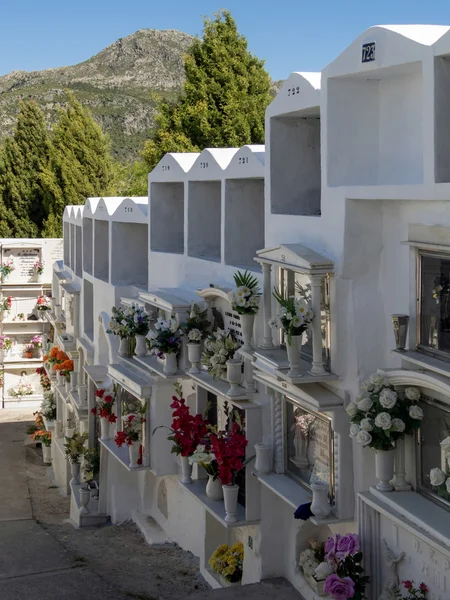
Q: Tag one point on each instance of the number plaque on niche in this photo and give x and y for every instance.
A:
(368, 52)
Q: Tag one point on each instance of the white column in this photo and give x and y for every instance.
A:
(146, 434)
(278, 432)
(316, 326)
(399, 481)
(267, 342)
(249, 383)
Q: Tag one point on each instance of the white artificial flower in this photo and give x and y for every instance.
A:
(415, 412)
(195, 335)
(447, 484)
(305, 556)
(383, 420)
(366, 424)
(412, 393)
(365, 404)
(273, 322)
(437, 477)
(378, 381)
(398, 425)
(310, 566)
(323, 570)
(289, 316)
(354, 430)
(152, 335)
(388, 398)
(352, 409)
(364, 438)
(296, 321)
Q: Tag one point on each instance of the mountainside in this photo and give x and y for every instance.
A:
(120, 84)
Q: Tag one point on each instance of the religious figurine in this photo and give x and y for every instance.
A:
(391, 580)
(302, 430)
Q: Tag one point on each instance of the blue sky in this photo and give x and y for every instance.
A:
(292, 35)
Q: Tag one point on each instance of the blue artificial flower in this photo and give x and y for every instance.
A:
(303, 512)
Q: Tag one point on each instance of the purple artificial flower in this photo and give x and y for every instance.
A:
(330, 546)
(171, 339)
(340, 589)
(346, 545)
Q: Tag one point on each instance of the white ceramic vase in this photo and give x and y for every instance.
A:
(126, 347)
(39, 277)
(262, 462)
(214, 488)
(234, 376)
(293, 351)
(105, 429)
(69, 432)
(85, 496)
(384, 469)
(170, 363)
(247, 322)
(230, 496)
(186, 470)
(46, 453)
(320, 506)
(60, 379)
(67, 384)
(194, 356)
(133, 451)
(73, 380)
(141, 345)
(75, 468)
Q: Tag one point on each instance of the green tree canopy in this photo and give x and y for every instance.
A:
(80, 164)
(23, 158)
(225, 96)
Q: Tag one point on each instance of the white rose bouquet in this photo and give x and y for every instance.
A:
(440, 482)
(381, 415)
(197, 325)
(219, 348)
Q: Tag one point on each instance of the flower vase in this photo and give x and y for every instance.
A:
(85, 496)
(170, 363)
(384, 469)
(234, 376)
(73, 378)
(38, 277)
(75, 467)
(67, 384)
(230, 496)
(317, 586)
(126, 347)
(141, 345)
(194, 356)
(214, 488)
(186, 470)
(59, 379)
(49, 424)
(293, 351)
(320, 506)
(133, 451)
(105, 428)
(58, 428)
(58, 311)
(225, 583)
(46, 454)
(247, 322)
(69, 432)
(262, 462)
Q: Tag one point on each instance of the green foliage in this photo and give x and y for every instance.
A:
(224, 99)
(129, 179)
(23, 158)
(246, 279)
(80, 164)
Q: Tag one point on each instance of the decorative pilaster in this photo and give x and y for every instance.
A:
(279, 436)
(316, 327)
(267, 342)
(399, 481)
(146, 434)
(249, 382)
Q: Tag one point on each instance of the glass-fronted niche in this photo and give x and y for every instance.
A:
(433, 452)
(434, 304)
(309, 446)
(298, 285)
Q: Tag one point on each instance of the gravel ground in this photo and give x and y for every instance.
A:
(116, 553)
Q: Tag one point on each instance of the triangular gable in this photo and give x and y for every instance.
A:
(247, 162)
(173, 167)
(131, 210)
(442, 45)
(211, 163)
(300, 92)
(296, 257)
(90, 207)
(394, 45)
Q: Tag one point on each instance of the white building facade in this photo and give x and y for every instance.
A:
(347, 204)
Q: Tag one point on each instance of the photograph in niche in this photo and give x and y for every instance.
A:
(435, 302)
(309, 445)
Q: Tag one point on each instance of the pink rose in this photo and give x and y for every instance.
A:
(347, 544)
(340, 589)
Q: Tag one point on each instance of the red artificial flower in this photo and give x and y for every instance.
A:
(112, 418)
(121, 438)
(423, 588)
(108, 399)
(139, 460)
(94, 411)
(407, 584)
(99, 393)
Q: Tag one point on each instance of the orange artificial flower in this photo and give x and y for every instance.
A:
(54, 352)
(61, 355)
(45, 359)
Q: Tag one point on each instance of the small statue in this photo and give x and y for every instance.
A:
(391, 580)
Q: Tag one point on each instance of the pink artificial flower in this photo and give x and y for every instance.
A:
(340, 589)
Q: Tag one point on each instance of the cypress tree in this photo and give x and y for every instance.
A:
(224, 99)
(23, 158)
(80, 164)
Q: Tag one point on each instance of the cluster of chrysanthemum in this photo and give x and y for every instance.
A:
(228, 561)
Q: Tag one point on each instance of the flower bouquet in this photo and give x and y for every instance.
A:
(294, 317)
(440, 482)
(28, 350)
(6, 303)
(65, 368)
(165, 342)
(7, 268)
(220, 347)
(36, 341)
(228, 562)
(37, 425)
(381, 416)
(131, 435)
(42, 436)
(413, 593)
(245, 301)
(196, 329)
(48, 406)
(334, 568)
(205, 458)
(104, 410)
(75, 449)
(39, 267)
(43, 379)
(21, 389)
(43, 303)
(19, 317)
(6, 343)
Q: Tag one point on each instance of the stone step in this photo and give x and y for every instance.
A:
(268, 589)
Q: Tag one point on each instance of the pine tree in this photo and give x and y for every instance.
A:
(224, 99)
(23, 158)
(80, 164)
